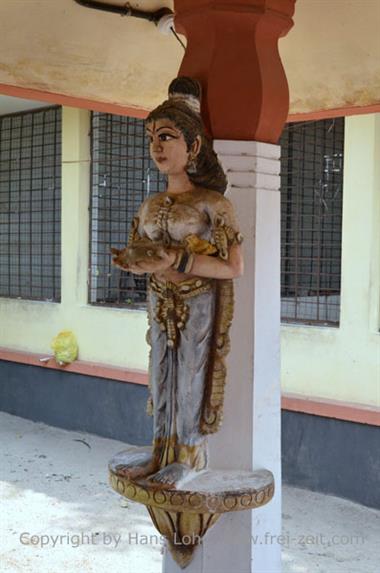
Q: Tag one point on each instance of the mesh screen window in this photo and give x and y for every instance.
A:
(30, 205)
(311, 221)
(122, 176)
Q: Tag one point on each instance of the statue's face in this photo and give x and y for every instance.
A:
(168, 147)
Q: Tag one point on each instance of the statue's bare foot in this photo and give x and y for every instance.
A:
(169, 476)
(138, 469)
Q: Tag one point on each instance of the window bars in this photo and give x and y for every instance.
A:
(311, 213)
(311, 221)
(122, 176)
(30, 204)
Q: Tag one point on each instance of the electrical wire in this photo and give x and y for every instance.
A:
(178, 38)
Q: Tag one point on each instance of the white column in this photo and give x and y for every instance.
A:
(247, 541)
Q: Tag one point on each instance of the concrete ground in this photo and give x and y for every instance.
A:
(59, 514)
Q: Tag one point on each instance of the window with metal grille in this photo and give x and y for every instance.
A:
(311, 221)
(30, 204)
(122, 176)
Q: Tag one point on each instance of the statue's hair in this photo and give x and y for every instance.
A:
(184, 99)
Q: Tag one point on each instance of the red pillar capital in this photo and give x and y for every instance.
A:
(232, 48)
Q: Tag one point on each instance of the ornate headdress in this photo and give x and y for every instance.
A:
(183, 107)
(188, 91)
(184, 99)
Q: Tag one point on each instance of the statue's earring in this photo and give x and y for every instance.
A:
(191, 166)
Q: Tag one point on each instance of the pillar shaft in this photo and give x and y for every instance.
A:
(232, 49)
(76, 184)
(247, 541)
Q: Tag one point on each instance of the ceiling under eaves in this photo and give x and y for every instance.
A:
(331, 56)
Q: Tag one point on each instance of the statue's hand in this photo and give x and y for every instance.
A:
(164, 262)
(143, 257)
(119, 260)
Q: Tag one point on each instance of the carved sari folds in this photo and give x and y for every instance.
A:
(189, 322)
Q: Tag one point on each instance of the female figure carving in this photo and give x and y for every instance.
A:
(187, 240)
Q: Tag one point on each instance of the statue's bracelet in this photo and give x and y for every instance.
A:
(183, 262)
(177, 259)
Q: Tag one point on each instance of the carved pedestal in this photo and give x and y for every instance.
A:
(184, 514)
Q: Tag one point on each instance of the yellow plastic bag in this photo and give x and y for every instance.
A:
(65, 347)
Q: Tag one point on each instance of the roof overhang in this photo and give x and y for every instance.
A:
(62, 50)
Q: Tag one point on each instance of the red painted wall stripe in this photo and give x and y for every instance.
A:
(61, 99)
(358, 413)
(78, 367)
(350, 412)
(336, 112)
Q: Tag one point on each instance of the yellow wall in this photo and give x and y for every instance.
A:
(344, 363)
(106, 335)
(339, 363)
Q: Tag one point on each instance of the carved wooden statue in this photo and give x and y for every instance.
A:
(188, 241)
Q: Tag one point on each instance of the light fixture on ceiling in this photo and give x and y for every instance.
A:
(163, 18)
